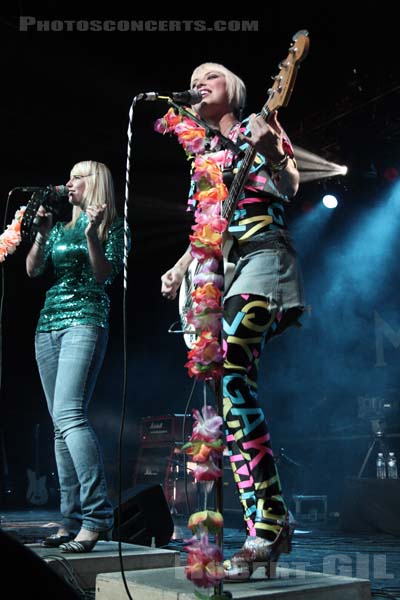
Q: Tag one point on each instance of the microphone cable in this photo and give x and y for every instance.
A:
(129, 163)
(3, 283)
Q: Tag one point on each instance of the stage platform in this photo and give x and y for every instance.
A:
(171, 584)
(323, 556)
(104, 558)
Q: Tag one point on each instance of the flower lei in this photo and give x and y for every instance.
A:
(206, 355)
(11, 237)
(204, 565)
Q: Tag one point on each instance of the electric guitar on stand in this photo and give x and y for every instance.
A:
(37, 492)
(278, 96)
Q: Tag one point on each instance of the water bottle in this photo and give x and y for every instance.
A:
(392, 466)
(380, 466)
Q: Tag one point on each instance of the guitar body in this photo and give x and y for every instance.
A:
(37, 491)
(186, 303)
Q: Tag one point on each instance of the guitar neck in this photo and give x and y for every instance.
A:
(237, 185)
(240, 179)
(37, 429)
(278, 96)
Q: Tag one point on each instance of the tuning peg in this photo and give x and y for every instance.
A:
(277, 77)
(283, 65)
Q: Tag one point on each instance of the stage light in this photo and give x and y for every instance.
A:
(316, 168)
(329, 201)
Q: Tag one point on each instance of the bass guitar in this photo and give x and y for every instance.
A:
(278, 96)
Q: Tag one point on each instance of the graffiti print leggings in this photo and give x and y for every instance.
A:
(248, 324)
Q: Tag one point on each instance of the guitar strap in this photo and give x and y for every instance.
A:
(229, 155)
(228, 177)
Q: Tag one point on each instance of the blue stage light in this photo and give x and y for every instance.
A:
(330, 201)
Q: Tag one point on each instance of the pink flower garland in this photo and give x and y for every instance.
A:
(11, 237)
(204, 565)
(206, 355)
(205, 447)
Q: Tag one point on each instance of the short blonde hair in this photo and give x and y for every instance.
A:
(99, 190)
(234, 85)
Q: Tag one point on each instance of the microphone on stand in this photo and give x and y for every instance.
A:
(187, 97)
(59, 191)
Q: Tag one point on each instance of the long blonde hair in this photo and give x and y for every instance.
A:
(99, 190)
(235, 87)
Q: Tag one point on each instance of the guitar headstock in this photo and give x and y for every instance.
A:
(279, 94)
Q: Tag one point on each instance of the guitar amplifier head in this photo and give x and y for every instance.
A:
(165, 428)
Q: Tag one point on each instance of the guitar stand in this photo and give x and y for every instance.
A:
(173, 509)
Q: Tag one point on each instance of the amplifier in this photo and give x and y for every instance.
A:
(161, 464)
(165, 428)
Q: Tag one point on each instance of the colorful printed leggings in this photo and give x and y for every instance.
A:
(248, 324)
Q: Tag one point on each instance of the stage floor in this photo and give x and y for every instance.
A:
(317, 547)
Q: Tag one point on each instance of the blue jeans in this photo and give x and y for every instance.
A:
(69, 361)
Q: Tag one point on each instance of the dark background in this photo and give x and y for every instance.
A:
(66, 97)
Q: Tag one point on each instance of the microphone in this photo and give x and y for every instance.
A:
(59, 191)
(187, 97)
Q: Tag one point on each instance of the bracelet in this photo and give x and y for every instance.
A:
(280, 165)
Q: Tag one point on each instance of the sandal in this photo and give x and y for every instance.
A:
(55, 540)
(75, 547)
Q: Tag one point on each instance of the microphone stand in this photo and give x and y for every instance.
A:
(225, 142)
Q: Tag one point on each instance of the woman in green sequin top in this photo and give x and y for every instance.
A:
(85, 254)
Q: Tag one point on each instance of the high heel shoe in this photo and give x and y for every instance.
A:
(258, 552)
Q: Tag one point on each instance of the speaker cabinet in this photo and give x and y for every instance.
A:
(144, 517)
(162, 464)
(153, 462)
(166, 428)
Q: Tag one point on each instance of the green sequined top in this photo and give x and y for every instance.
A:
(77, 298)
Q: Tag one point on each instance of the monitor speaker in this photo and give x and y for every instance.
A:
(143, 517)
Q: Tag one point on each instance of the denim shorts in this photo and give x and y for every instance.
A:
(269, 267)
